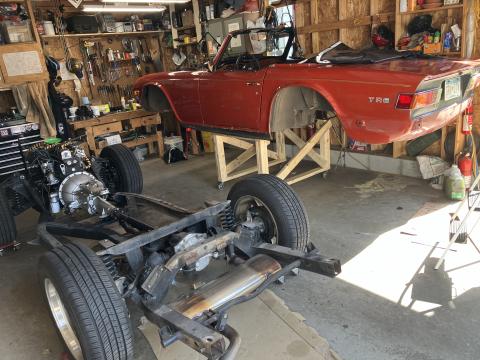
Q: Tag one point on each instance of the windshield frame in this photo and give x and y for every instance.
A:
(289, 31)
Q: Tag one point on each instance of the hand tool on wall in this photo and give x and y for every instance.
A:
(114, 72)
(89, 68)
(99, 62)
(141, 51)
(149, 53)
(138, 67)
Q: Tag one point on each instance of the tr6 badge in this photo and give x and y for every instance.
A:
(378, 100)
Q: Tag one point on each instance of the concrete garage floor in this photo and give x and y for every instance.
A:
(382, 228)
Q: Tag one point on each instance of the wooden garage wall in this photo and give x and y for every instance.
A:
(321, 23)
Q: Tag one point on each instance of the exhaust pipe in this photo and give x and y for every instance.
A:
(241, 281)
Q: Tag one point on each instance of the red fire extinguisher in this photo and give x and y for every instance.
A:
(465, 164)
(468, 119)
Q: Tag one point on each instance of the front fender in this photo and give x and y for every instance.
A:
(155, 97)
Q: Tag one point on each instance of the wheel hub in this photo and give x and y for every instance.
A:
(252, 209)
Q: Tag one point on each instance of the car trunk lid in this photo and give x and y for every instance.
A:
(430, 68)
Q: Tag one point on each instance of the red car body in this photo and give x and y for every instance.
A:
(369, 99)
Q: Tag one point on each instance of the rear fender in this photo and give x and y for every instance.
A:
(296, 106)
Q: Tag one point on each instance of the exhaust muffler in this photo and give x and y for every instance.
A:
(241, 281)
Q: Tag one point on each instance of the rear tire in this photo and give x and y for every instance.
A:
(126, 175)
(277, 204)
(88, 311)
(8, 229)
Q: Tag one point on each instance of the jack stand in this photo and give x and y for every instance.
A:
(259, 148)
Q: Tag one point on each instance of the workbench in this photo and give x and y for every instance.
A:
(120, 123)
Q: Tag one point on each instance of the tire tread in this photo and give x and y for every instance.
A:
(285, 202)
(127, 165)
(99, 311)
(8, 228)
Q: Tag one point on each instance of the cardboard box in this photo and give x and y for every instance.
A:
(113, 139)
(432, 48)
(17, 31)
(187, 18)
(207, 139)
(109, 140)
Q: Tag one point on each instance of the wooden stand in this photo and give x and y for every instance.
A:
(259, 148)
(112, 123)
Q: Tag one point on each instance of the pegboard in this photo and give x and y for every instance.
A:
(118, 75)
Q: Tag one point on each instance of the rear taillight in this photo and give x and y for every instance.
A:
(427, 98)
(404, 101)
(419, 100)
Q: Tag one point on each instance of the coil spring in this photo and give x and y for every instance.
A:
(110, 265)
(227, 218)
(15, 200)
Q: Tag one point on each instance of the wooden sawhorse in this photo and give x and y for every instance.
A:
(259, 148)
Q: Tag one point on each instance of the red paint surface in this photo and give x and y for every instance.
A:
(242, 100)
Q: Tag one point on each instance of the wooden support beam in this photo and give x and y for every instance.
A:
(342, 15)
(399, 148)
(220, 158)
(195, 143)
(243, 144)
(314, 4)
(347, 23)
(301, 144)
(305, 149)
(228, 171)
(442, 143)
(262, 156)
(241, 159)
(280, 146)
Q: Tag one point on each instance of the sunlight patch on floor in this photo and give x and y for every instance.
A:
(394, 263)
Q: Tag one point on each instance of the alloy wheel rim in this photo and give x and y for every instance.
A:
(62, 320)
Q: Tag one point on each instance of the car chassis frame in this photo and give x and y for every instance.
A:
(206, 333)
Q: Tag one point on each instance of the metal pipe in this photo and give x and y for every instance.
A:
(239, 282)
(235, 341)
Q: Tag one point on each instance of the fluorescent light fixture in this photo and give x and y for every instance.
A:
(122, 9)
(147, 1)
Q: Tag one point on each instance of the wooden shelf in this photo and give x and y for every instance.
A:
(188, 44)
(130, 33)
(452, 53)
(144, 139)
(14, 45)
(441, 8)
(185, 28)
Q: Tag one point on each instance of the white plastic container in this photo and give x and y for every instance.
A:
(119, 26)
(48, 28)
(173, 142)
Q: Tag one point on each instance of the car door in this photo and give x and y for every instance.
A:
(231, 99)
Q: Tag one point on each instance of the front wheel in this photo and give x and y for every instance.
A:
(123, 172)
(86, 307)
(275, 207)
